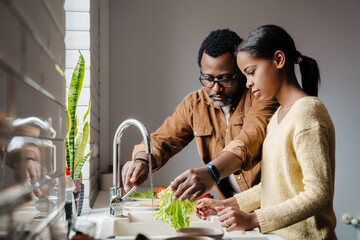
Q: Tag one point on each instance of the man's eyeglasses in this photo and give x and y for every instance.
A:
(224, 82)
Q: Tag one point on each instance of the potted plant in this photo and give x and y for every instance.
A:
(77, 133)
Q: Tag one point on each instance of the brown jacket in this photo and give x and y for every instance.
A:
(196, 116)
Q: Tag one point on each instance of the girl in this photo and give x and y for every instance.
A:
(295, 197)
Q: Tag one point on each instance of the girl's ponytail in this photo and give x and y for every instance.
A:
(310, 75)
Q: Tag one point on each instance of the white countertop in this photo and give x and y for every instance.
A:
(100, 211)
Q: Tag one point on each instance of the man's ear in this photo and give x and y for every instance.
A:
(279, 59)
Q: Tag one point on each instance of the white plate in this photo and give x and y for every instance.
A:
(140, 206)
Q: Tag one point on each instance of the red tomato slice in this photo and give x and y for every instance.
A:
(207, 196)
(159, 190)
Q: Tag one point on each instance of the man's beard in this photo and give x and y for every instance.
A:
(228, 100)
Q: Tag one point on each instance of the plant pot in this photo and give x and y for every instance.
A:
(78, 195)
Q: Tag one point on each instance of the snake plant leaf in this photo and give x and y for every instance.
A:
(78, 138)
(68, 122)
(80, 152)
(67, 149)
(76, 84)
(76, 126)
(78, 133)
(78, 173)
(74, 92)
(87, 111)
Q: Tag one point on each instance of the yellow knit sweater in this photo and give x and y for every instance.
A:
(295, 197)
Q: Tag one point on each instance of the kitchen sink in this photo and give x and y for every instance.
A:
(142, 222)
(148, 216)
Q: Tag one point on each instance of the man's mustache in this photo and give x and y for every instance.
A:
(219, 95)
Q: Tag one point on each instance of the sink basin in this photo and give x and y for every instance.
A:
(148, 217)
(142, 222)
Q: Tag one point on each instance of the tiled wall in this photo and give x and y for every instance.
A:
(82, 33)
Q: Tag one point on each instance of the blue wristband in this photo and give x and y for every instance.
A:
(214, 172)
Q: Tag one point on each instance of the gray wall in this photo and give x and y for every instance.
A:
(153, 51)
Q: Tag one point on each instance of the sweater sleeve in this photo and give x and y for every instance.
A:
(250, 199)
(313, 155)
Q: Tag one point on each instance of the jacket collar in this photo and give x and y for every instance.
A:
(205, 97)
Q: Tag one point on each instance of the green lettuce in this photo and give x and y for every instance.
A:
(146, 194)
(174, 212)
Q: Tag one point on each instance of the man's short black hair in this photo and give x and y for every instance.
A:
(219, 42)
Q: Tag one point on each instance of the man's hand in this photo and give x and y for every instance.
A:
(134, 172)
(192, 184)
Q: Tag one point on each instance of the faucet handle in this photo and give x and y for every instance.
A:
(129, 192)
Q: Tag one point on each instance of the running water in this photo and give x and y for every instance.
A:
(152, 191)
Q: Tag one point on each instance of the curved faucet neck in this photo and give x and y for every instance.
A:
(117, 139)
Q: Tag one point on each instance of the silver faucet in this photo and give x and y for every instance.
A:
(116, 204)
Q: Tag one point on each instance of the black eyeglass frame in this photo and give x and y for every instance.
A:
(219, 81)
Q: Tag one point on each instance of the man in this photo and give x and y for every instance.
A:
(226, 120)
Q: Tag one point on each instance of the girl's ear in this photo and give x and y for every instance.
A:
(279, 59)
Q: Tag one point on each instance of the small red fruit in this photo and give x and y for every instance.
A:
(159, 190)
(206, 196)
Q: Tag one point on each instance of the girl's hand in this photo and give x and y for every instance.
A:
(233, 219)
(206, 207)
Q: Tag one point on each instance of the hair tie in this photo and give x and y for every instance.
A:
(298, 58)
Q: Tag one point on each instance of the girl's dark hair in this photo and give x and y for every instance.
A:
(264, 41)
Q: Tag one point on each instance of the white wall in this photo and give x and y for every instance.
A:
(153, 52)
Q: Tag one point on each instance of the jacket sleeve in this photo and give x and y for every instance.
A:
(172, 136)
(247, 145)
